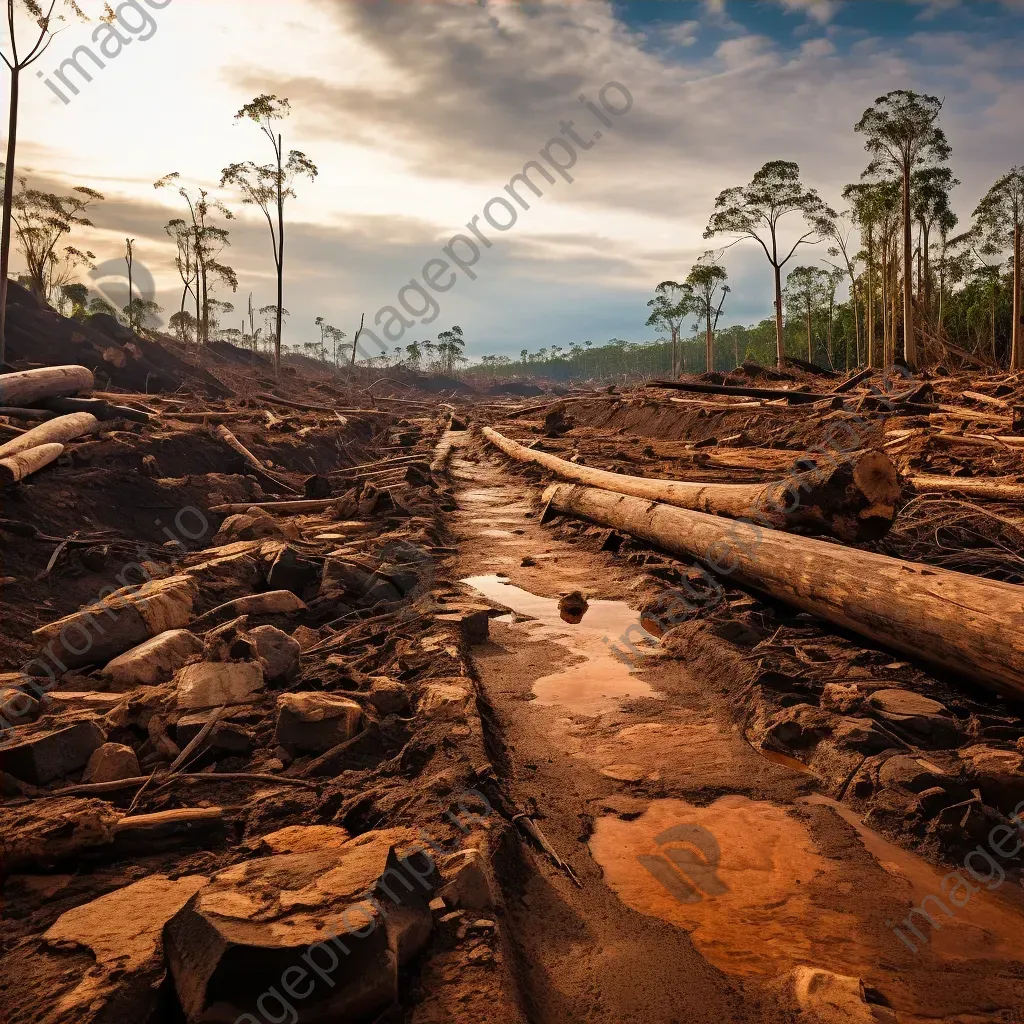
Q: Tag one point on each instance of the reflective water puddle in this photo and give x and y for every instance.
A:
(758, 897)
(608, 637)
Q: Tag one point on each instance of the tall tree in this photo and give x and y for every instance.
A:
(41, 220)
(844, 248)
(208, 242)
(707, 281)
(930, 188)
(21, 57)
(267, 186)
(807, 291)
(450, 346)
(902, 134)
(754, 211)
(670, 306)
(999, 219)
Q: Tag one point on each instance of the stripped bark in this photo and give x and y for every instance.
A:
(29, 386)
(16, 467)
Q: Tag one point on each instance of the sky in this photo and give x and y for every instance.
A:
(418, 115)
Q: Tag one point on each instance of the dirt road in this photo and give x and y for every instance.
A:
(707, 869)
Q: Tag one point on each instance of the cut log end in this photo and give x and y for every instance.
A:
(16, 467)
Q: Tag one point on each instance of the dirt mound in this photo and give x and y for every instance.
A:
(38, 336)
(517, 388)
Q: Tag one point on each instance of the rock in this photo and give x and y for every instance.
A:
(121, 621)
(387, 696)
(573, 607)
(345, 579)
(826, 998)
(226, 736)
(467, 883)
(45, 756)
(381, 590)
(230, 642)
(924, 718)
(305, 637)
(17, 707)
(313, 723)
(301, 839)
(861, 735)
(472, 621)
(255, 524)
(999, 774)
(111, 763)
(279, 651)
(122, 934)
(154, 661)
(341, 921)
(290, 571)
(46, 832)
(841, 699)
(913, 774)
(796, 727)
(213, 684)
(441, 695)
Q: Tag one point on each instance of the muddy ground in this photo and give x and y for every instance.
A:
(463, 764)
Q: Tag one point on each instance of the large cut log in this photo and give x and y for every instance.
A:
(225, 435)
(36, 415)
(58, 431)
(729, 389)
(955, 621)
(851, 382)
(17, 467)
(853, 499)
(30, 386)
(979, 488)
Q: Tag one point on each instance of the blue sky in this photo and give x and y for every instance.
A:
(418, 114)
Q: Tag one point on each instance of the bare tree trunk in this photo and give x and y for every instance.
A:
(709, 340)
(280, 259)
(810, 347)
(1016, 355)
(779, 341)
(909, 339)
(5, 235)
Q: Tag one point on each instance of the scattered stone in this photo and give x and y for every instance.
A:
(17, 707)
(226, 737)
(301, 839)
(826, 998)
(95, 558)
(841, 699)
(45, 756)
(625, 772)
(125, 619)
(573, 607)
(154, 661)
(999, 774)
(290, 571)
(280, 653)
(387, 696)
(910, 773)
(313, 723)
(213, 684)
(305, 637)
(925, 718)
(862, 735)
(528, 561)
(46, 832)
(255, 524)
(440, 695)
(348, 918)
(111, 763)
(472, 621)
(122, 932)
(467, 882)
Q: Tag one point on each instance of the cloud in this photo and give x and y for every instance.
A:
(821, 11)
(684, 34)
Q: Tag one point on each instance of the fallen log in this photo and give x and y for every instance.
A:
(289, 404)
(27, 387)
(16, 467)
(228, 438)
(99, 408)
(56, 431)
(853, 499)
(283, 508)
(812, 368)
(745, 392)
(851, 382)
(952, 620)
(37, 415)
(977, 396)
(979, 488)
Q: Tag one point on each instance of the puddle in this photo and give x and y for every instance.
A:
(747, 882)
(608, 637)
